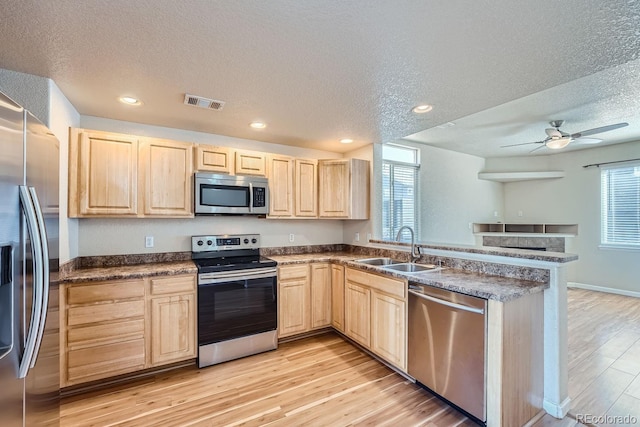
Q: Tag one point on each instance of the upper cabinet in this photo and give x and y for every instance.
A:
(112, 175)
(213, 159)
(166, 174)
(306, 188)
(280, 173)
(251, 163)
(344, 188)
(103, 174)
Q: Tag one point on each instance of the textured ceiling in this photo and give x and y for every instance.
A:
(318, 71)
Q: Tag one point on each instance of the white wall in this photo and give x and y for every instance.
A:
(570, 200)
(451, 196)
(98, 236)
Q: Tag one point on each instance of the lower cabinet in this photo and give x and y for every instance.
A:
(337, 297)
(376, 314)
(117, 327)
(304, 298)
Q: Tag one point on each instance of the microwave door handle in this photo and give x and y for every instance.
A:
(250, 197)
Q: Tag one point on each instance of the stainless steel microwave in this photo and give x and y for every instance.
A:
(231, 195)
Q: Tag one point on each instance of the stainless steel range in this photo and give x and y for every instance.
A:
(237, 298)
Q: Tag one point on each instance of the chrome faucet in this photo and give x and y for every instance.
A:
(415, 251)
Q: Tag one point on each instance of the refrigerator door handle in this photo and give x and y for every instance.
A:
(36, 308)
(45, 273)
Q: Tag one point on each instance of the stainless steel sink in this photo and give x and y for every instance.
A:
(409, 267)
(378, 261)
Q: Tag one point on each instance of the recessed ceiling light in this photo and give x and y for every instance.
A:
(425, 108)
(346, 140)
(258, 125)
(129, 100)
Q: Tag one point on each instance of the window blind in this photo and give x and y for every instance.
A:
(399, 204)
(620, 206)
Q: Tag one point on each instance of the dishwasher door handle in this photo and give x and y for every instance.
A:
(447, 303)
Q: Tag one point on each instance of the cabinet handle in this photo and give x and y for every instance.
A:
(447, 303)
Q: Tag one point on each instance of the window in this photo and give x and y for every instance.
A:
(400, 166)
(621, 206)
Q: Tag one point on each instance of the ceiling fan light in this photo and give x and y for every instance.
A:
(558, 143)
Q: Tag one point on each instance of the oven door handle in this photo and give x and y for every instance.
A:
(231, 276)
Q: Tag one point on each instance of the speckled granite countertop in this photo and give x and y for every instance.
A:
(481, 285)
(168, 268)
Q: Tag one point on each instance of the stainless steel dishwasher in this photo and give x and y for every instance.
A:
(447, 346)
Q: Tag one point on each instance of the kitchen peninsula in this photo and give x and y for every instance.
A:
(513, 281)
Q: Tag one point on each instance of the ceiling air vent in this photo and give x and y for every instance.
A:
(200, 102)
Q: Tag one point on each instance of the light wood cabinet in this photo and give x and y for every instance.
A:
(357, 318)
(209, 158)
(102, 330)
(122, 326)
(343, 188)
(250, 163)
(320, 295)
(337, 297)
(115, 175)
(376, 314)
(167, 176)
(280, 173)
(306, 188)
(103, 174)
(173, 319)
(293, 300)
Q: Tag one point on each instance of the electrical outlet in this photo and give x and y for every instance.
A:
(368, 236)
(495, 213)
(357, 237)
(291, 237)
(520, 213)
(470, 226)
(148, 242)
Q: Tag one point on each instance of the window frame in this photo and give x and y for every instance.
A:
(605, 202)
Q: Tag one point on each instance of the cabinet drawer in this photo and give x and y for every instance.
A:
(103, 292)
(104, 312)
(173, 285)
(104, 361)
(82, 336)
(293, 272)
(395, 287)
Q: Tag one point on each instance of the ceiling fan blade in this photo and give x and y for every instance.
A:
(537, 148)
(524, 143)
(587, 141)
(598, 130)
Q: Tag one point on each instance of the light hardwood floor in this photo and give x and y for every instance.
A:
(325, 381)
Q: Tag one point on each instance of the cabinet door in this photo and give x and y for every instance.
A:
(106, 168)
(306, 183)
(280, 186)
(167, 172)
(388, 330)
(337, 297)
(173, 328)
(320, 295)
(213, 159)
(357, 322)
(250, 163)
(333, 178)
(294, 295)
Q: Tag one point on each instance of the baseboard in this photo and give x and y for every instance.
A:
(557, 410)
(603, 289)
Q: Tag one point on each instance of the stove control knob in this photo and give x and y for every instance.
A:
(246, 241)
(254, 240)
(200, 243)
(209, 243)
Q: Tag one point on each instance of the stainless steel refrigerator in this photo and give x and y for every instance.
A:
(29, 231)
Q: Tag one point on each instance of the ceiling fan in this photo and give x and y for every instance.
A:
(557, 139)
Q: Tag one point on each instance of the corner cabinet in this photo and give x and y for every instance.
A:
(116, 175)
(343, 188)
(118, 327)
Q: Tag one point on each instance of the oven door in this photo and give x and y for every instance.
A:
(233, 307)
